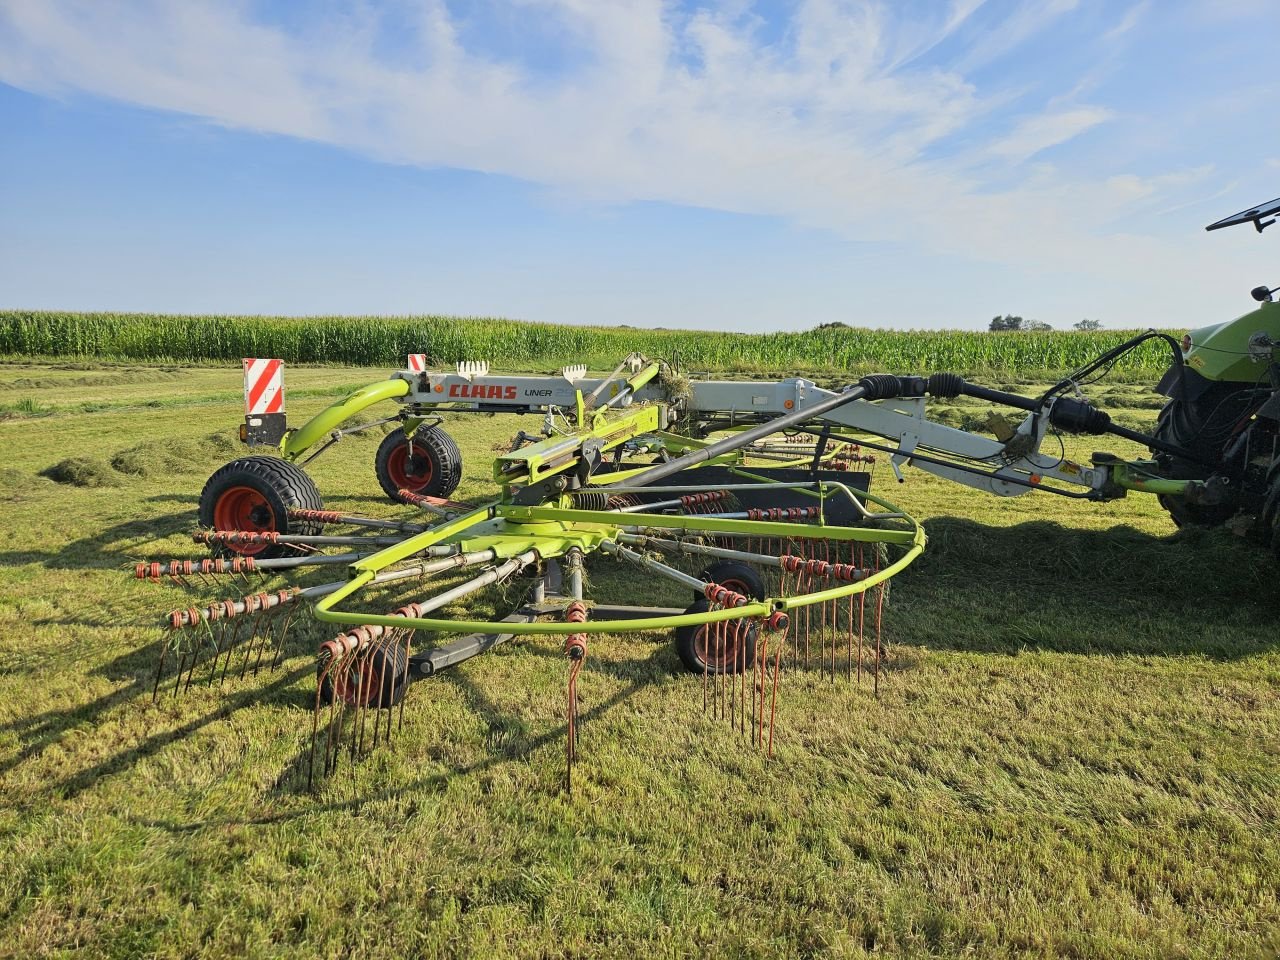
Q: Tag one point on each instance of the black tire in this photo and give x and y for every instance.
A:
(739, 577)
(1267, 531)
(256, 493)
(428, 463)
(385, 670)
(716, 648)
(1202, 426)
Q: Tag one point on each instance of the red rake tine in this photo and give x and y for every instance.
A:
(315, 721)
(740, 659)
(879, 625)
(773, 709)
(164, 656)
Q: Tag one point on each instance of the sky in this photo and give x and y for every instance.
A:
(733, 166)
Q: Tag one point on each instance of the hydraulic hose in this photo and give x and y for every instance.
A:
(1067, 413)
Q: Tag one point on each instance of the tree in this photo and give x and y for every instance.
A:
(832, 325)
(1007, 322)
(1087, 325)
(1037, 326)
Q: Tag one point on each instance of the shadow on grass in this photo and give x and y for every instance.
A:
(104, 548)
(978, 588)
(1042, 585)
(507, 740)
(85, 779)
(140, 670)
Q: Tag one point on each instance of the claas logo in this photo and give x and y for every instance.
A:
(482, 391)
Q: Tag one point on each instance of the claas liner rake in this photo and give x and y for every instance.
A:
(740, 493)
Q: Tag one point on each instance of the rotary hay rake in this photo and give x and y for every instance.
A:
(738, 492)
(771, 537)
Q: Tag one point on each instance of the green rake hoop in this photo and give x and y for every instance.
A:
(784, 553)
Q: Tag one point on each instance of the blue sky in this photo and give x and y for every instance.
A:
(735, 166)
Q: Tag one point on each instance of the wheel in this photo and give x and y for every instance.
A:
(378, 679)
(716, 648)
(256, 494)
(1202, 426)
(738, 577)
(1268, 529)
(428, 463)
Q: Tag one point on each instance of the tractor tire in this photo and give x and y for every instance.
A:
(716, 648)
(738, 577)
(256, 494)
(428, 463)
(1268, 529)
(379, 679)
(1202, 426)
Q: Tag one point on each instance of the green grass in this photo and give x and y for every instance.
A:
(1075, 752)
(385, 341)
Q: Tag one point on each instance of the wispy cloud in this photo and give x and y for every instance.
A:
(1038, 133)
(839, 120)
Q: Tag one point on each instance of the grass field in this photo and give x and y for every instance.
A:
(1075, 751)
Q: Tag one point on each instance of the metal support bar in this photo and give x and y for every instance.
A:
(496, 575)
(457, 561)
(671, 573)
(702, 549)
(749, 436)
(430, 662)
(574, 560)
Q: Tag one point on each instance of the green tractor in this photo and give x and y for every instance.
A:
(1224, 411)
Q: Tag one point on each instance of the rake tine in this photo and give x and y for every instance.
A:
(240, 626)
(315, 722)
(259, 639)
(575, 648)
(195, 655)
(741, 661)
(807, 579)
(755, 680)
(835, 635)
(848, 663)
(334, 742)
(164, 655)
(773, 709)
(177, 678)
(721, 640)
(400, 723)
(879, 624)
(253, 632)
(277, 622)
(759, 693)
(284, 633)
(822, 667)
(730, 680)
(862, 615)
(361, 708)
(390, 639)
(706, 636)
(255, 640)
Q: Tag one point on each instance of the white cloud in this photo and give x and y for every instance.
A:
(1047, 130)
(836, 125)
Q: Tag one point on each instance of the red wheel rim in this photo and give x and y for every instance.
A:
(243, 508)
(360, 686)
(409, 473)
(719, 645)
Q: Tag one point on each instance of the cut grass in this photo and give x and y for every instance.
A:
(1075, 751)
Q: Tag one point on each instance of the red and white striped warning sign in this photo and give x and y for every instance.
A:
(417, 362)
(263, 386)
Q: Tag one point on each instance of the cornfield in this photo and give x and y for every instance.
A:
(519, 345)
